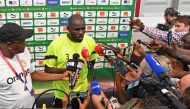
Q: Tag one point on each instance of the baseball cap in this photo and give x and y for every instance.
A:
(171, 11)
(12, 31)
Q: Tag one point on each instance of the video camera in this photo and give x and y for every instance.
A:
(162, 27)
(147, 86)
(79, 94)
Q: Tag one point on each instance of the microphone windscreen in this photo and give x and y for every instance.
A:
(95, 88)
(75, 56)
(85, 53)
(98, 49)
(154, 65)
(139, 41)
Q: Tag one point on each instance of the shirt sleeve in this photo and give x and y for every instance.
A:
(162, 35)
(155, 33)
(50, 56)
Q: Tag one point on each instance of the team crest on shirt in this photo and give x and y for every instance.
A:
(24, 63)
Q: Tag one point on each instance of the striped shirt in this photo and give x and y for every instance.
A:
(163, 35)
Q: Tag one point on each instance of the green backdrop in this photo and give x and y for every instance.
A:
(106, 20)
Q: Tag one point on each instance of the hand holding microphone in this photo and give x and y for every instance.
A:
(160, 72)
(74, 65)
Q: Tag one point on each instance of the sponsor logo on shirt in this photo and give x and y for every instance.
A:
(11, 80)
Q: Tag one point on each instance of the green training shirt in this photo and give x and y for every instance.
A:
(59, 51)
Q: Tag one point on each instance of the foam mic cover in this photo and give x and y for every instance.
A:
(154, 65)
(85, 53)
(99, 50)
(95, 88)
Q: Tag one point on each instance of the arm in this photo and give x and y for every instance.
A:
(54, 70)
(121, 94)
(153, 33)
(174, 51)
(183, 54)
(98, 99)
(43, 76)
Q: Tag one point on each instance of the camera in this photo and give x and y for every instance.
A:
(75, 95)
(162, 27)
(79, 94)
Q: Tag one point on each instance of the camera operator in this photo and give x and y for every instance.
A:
(170, 15)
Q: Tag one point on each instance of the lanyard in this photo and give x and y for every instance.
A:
(14, 71)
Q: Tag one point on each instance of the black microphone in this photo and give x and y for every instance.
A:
(75, 66)
(117, 63)
(144, 43)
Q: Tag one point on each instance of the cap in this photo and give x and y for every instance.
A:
(95, 88)
(12, 32)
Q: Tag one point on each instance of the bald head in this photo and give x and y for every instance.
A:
(76, 28)
(76, 19)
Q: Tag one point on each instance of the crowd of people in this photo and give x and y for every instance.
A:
(18, 69)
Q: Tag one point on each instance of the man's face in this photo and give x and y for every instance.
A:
(185, 43)
(170, 19)
(77, 30)
(17, 46)
(181, 27)
(183, 83)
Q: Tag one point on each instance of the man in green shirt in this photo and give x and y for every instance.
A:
(62, 49)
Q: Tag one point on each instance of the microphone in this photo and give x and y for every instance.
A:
(75, 65)
(86, 56)
(117, 50)
(159, 71)
(144, 43)
(95, 88)
(117, 63)
(99, 50)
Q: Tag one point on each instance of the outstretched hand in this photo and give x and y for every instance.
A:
(137, 24)
(157, 44)
(138, 50)
(85, 103)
